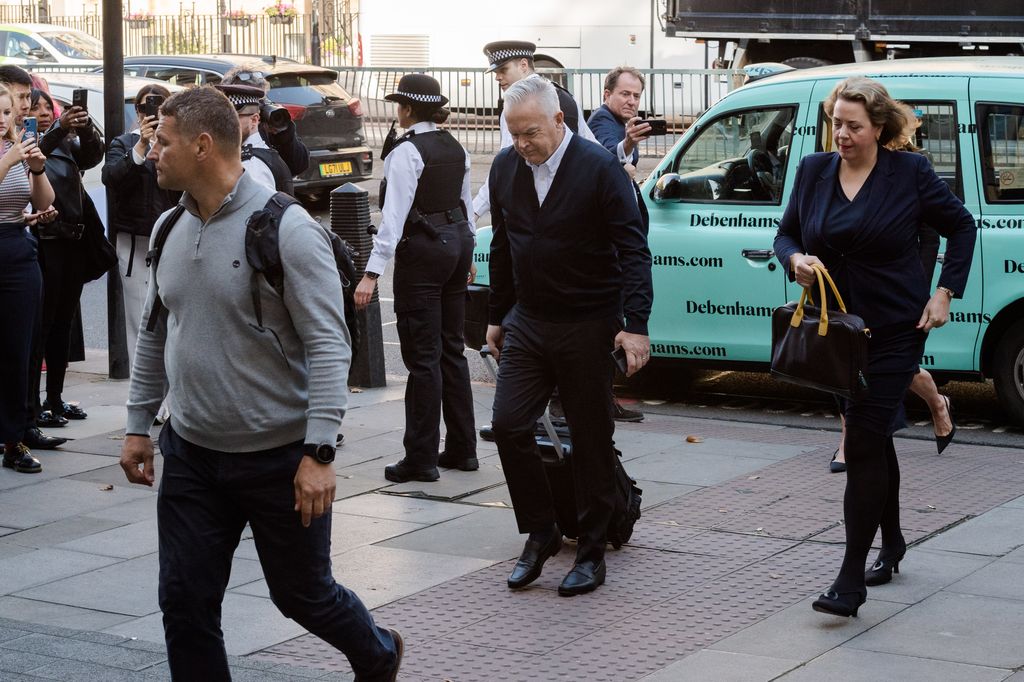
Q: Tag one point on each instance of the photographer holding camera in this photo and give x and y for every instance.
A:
(276, 126)
(615, 123)
(135, 203)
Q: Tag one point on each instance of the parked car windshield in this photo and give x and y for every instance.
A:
(74, 44)
(305, 88)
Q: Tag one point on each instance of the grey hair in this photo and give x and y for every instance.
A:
(537, 88)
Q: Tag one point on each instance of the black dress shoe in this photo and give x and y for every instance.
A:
(487, 434)
(836, 604)
(47, 419)
(454, 462)
(67, 410)
(18, 457)
(834, 466)
(37, 440)
(624, 415)
(401, 472)
(942, 442)
(399, 649)
(585, 576)
(531, 561)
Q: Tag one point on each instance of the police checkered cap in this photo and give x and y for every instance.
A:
(418, 88)
(241, 95)
(501, 51)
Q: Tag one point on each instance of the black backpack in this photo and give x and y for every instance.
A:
(262, 252)
(272, 159)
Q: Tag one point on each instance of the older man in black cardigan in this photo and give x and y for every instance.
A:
(570, 281)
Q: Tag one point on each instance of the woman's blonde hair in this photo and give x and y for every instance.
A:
(883, 110)
(904, 142)
(10, 134)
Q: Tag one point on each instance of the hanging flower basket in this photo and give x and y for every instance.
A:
(240, 22)
(281, 13)
(281, 20)
(139, 22)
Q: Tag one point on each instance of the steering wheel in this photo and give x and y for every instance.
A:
(759, 161)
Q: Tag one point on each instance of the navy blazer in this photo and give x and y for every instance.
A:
(582, 255)
(880, 276)
(609, 131)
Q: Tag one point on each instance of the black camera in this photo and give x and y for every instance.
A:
(275, 116)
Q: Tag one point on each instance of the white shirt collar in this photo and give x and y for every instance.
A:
(255, 140)
(423, 127)
(555, 159)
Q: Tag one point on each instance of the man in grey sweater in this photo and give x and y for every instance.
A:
(254, 408)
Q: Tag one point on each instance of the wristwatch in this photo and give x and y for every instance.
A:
(372, 275)
(323, 453)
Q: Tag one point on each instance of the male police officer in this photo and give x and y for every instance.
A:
(264, 163)
(512, 61)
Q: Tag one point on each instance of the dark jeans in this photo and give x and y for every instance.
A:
(536, 357)
(20, 294)
(206, 497)
(62, 288)
(430, 304)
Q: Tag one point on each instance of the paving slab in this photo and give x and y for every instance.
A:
(249, 624)
(1000, 579)
(692, 466)
(20, 662)
(401, 508)
(1016, 503)
(454, 484)
(802, 633)
(71, 528)
(106, 444)
(723, 666)
(994, 533)
(925, 572)
(126, 542)
(43, 566)
(126, 587)
(851, 665)
(56, 464)
(484, 534)
(498, 496)
(953, 627)
(47, 613)
(78, 651)
(21, 507)
(113, 474)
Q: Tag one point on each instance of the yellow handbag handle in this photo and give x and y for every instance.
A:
(798, 314)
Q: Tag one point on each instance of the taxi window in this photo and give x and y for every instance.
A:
(738, 158)
(175, 75)
(1002, 152)
(21, 46)
(936, 137)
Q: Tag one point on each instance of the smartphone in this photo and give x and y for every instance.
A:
(80, 98)
(31, 128)
(659, 126)
(151, 105)
(619, 356)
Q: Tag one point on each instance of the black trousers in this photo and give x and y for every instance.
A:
(62, 289)
(206, 498)
(20, 294)
(872, 497)
(537, 357)
(430, 304)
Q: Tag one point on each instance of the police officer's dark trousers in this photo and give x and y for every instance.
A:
(206, 498)
(430, 304)
(20, 297)
(536, 357)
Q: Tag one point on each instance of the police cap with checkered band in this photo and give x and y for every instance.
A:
(418, 88)
(501, 51)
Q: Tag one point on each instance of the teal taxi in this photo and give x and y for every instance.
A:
(716, 199)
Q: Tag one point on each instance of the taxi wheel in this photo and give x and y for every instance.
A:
(1009, 372)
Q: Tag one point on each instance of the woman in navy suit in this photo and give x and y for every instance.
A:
(857, 212)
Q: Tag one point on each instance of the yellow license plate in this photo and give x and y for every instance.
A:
(333, 170)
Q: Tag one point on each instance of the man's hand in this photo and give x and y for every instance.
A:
(495, 339)
(137, 459)
(364, 291)
(635, 132)
(74, 117)
(472, 274)
(638, 350)
(936, 313)
(314, 489)
(800, 265)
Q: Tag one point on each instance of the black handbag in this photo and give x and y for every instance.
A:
(97, 253)
(818, 349)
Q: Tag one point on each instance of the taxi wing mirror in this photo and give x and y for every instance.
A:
(669, 187)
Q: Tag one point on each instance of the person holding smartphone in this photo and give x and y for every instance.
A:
(71, 145)
(22, 182)
(135, 203)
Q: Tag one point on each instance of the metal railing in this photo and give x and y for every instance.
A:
(677, 95)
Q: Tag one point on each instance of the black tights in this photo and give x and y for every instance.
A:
(872, 499)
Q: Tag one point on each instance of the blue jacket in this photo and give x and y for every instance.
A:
(881, 277)
(583, 255)
(609, 130)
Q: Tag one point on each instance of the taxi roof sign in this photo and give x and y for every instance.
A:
(756, 72)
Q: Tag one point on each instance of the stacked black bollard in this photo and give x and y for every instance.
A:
(350, 220)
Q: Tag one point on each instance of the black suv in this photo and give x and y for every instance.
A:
(328, 120)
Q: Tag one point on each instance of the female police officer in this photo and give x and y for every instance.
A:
(426, 228)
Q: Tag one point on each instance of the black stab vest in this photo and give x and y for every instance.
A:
(444, 167)
(570, 113)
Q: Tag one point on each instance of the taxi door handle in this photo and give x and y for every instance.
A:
(757, 254)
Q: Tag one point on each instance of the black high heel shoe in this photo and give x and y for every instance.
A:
(941, 442)
(881, 571)
(836, 604)
(834, 466)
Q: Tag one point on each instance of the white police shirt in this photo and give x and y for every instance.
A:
(482, 202)
(402, 170)
(255, 166)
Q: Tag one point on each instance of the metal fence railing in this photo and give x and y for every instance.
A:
(677, 95)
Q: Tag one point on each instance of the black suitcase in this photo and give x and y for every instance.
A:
(555, 443)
